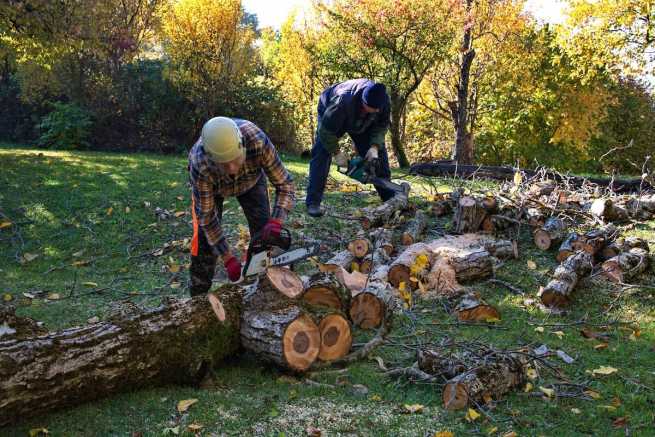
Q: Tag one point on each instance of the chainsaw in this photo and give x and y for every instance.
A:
(365, 171)
(263, 253)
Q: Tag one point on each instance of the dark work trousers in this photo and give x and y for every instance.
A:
(255, 206)
(319, 166)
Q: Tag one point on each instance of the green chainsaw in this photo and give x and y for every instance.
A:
(366, 171)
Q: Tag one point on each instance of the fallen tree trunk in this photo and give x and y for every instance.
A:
(381, 214)
(507, 173)
(551, 233)
(414, 229)
(558, 291)
(626, 265)
(173, 343)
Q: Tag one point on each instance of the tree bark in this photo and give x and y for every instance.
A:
(469, 215)
(550, 234)
(397, 108)
(557, 293)
(325, 290)
(567, 249)
(381, 214)
(414, 229)
(173, 343)
(626, 265)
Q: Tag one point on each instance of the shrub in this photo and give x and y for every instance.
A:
(66, 126)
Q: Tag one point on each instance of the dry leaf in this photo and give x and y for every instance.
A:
(35, 432)
(79, 263)
(29, 295)
(180, 213)
(174, 268)
(110, 210)
(593, 394)
(560, 334)
(532, 373)
(78, 254)
(175, 285)
(146, 204)
(528, 387)
(158, 252)
(576, 411)
(195, 427)
(7, 297)
(549, 392)
(532, 265)
(184, 405)
(93, 320)
(518, 179)
(443, 434)
(127, 210)
(510, 434)
(604, 370)
(487, 398)
(601, 346)
(180, 198)
(413, 408)
(175, 430)
(54, 296)
(5, 225)
(90, 284)
(620, 422)
(27, 257)
(539, 329)
(471, 415)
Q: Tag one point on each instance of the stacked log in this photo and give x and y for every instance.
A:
(550, 234)
(370, 306)
(595, 240)
(469, 215)
(137, 347)
(567, 248)
(626, 266)
(557, 293)
(606, 210)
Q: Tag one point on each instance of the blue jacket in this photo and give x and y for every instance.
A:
(341, 113)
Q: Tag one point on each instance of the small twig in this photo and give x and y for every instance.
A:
(507, 285)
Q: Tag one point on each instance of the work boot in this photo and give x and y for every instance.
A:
(315, 210)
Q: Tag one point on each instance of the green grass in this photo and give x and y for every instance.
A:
(59, 203)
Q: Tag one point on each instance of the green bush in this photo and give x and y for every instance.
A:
(67, 126)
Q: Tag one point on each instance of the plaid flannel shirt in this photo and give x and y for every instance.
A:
(208, 182)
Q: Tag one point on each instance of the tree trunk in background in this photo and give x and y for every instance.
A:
(397, 108)
(463, 150)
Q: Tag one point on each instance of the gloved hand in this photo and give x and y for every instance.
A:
(272, 229)
(233, 268)
(341, 160)
(372, 153)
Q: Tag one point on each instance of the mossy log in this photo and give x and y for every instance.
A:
(557, 293)
(173, 343)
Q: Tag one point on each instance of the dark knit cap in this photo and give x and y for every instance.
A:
(375, 95)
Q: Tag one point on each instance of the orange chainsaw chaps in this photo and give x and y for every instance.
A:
(194, 240)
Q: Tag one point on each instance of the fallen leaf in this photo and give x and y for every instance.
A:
(146, 204)
(54, 296)
(443, 434)
(528, 387)
(593, 394)
(559, 334)
(175, 430)
(35, 432)
(313, 431)
(413, 408)
(29, 295)
(471, 415)
(601, 346)
(184, 405)
(175, 285)
(532, 265)
(492, 430)
(180, 198)
(487, 398)
(635, 335)
(5, 225)
(620, 422)
(576, 411)
(510, 434)
(518, 178)
(195, 427)
(110, 210)
(604, 370)
(174, 268)
(158, 252)
(90, 284)
(532, 373)
(376, 398)
(616, 401)
(7, 297)
(27, 257)
(180, 213)
(93, 320)
(79, 263)
(539, 329)
(549, 392)
(127, 210)
(78, 254)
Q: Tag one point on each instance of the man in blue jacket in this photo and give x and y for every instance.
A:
(360, 108)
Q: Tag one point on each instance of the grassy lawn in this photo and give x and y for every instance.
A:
(86, 235)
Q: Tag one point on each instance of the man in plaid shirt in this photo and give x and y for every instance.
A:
(233, 157)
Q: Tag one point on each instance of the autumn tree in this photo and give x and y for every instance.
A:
(395, 42)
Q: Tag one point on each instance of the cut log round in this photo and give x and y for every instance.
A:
(383, 239)
(535, 217)
(288, 337)
(469, 215)
(325, 290)
(173, 343)
(567, 249)
(492, 378)
(400, 269)
(371, 261)
(277, 287)
(473, 308)
(595, 240)
(550, 234)
(557, 293)
(380, 215)
(336, 337)
(414, 229)
(342, 259)
(359, 247)
(626, 265)
(369, 306)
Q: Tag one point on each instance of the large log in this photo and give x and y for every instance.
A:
(550, 234)
(173, 343)
(336, 337)
(557, 293)
(469, 215)
(369, 306)
(277, 288)
(325, 290)
(626, 265)
(414, 229)
(401, 269)
(342, 259)
(494, 376)
(382, 214)
(595, 240)
(567, 249)
(448, 169)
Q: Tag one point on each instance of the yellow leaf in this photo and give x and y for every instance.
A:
(54, 296)
(549, 392)
(110, 210)
(376, 398)
(174, 268)
(354, 267)
(532, 373)
(472, 415)
(601, 346)
(528, 387)
(576, 411)
(420, 263)
(443, 434)
(195, 427)
(184, 405)
(7, 297)
(79, 263)
(413, 408)
(89, 284)
(401, 286)
(532, 265)
(35, 432)
(27, 257)
(539, 329)
(560, 334)
(492, 320)
(593, 394)
(518, 178)
(180, 213)
(510, 434)
(5, 225)
(635, 335)
(493, 430)
(604, 370)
